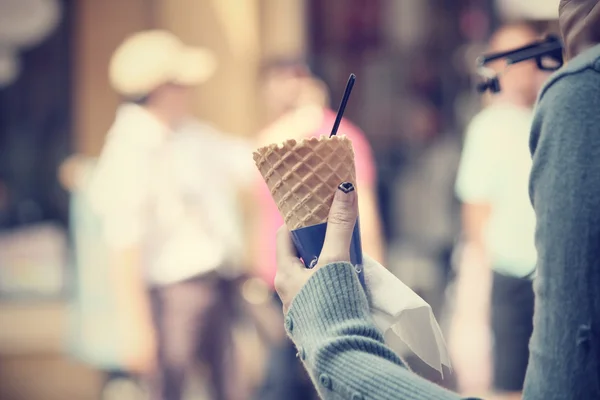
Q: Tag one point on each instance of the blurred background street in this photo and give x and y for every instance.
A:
(411, 106)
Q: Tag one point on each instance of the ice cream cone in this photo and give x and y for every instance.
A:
(303, 176)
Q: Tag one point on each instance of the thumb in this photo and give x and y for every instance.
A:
(340, 225)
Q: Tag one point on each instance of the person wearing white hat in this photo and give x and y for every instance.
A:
(164, 190)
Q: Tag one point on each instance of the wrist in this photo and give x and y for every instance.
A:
(332, 296)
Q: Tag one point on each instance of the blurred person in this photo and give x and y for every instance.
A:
(297, 108)
(93, 339)
(327, 312)
(498, 223)
(164, 188)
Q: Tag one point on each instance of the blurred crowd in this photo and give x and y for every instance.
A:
(171, 230)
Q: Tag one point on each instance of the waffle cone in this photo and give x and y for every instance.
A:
(303, 176)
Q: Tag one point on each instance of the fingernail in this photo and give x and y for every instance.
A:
(346, 187)
(345, 193)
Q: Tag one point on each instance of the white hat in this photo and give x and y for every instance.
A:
(149, 59)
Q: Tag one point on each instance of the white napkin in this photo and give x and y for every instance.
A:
(405, 319)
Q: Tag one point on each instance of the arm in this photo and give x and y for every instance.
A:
(134, 317)
(473, 285)
(475, 217)
(475, 188)
(565, 191)
(469, 338)
(345, 354)
(117, 195)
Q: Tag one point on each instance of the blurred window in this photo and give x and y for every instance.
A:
(35, 116)
(35, 136)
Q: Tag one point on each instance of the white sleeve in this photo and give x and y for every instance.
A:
(118, 193)
(478, 163)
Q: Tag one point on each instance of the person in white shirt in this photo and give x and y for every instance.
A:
(499, 225)
(164, 189)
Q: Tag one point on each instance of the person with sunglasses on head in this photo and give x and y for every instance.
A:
(493, 311)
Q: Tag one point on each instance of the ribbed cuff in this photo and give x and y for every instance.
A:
(332, 296)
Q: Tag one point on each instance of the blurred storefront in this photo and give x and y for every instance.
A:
(35, 134)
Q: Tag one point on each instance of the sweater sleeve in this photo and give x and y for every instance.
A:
(565, 190)
(344, 352)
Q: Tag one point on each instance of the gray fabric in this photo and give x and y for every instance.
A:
(342, 349)
(565, 191)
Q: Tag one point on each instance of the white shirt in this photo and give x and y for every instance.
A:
(173, 193)
(494, 169)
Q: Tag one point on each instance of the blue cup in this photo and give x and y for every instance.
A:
(309, 243)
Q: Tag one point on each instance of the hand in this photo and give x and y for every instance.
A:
(292, 275)
(139, 346)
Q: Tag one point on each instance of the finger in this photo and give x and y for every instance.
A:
(340, 225)
(286, 252)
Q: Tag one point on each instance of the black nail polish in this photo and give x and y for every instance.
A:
(346, 187)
